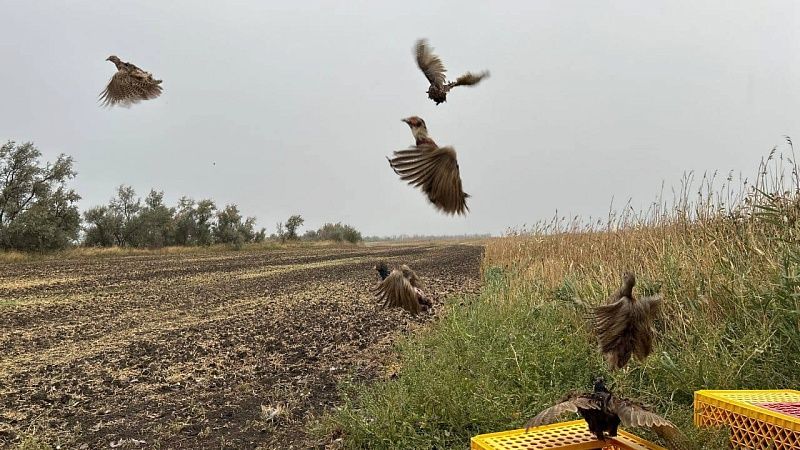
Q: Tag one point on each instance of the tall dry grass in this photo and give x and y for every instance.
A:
(723, 254)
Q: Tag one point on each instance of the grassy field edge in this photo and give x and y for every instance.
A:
(728, 267)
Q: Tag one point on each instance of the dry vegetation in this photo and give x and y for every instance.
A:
(198, 349)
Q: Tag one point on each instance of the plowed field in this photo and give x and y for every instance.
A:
(211, 350)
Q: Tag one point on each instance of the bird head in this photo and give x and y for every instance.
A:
(600, 385)
(382, 268)
(628, 282)
(418, 128)
(113, 59)
(414, 122)
(629, 279)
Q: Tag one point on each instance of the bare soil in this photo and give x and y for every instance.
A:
(220, 350)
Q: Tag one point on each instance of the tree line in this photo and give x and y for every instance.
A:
(129, 221)
(38, 212)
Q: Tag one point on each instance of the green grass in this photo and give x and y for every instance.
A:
(33, 444)
(493, 363)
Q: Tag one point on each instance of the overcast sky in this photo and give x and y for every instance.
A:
(299, 102)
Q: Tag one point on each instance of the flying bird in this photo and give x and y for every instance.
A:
(432, 168)
(400, 288)
(129, 85)
(434, 70)
(603, 412)
(624, 324)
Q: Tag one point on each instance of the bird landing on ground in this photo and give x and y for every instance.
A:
(401, 288)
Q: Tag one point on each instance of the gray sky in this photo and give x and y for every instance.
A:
(299, 102)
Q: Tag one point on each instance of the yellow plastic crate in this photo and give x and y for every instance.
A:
(757, 419)
(562, 436)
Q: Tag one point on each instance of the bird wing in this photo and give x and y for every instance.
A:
(468, 79)
(614, 297)
(571, 404)
(430, 64)
(652, 304)
(142, 75)
(633, 414)
(646, 309)
(435, 171)
(396, 290)
(410, 275)
(611, 324)
(126, 88)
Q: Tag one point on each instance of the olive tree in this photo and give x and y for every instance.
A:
(37, 210)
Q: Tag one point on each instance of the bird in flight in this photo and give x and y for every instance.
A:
(434, 70)
(432, 168)
(400, 288)
(624, 324)
(129, 85)
(604, 412)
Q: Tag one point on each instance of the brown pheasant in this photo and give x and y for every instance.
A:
(434, 70)
(401, 288)
(624, 324)
(129, 85)
(432, 168)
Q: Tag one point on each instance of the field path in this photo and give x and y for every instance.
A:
(182, 351)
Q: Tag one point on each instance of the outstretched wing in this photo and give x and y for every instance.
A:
(435, 171)
(468, 79)
(651, 304)
(396, 291)
(633, 414)
(129, 87)
(645, 310)
(552, 413)
(430, 64)
(611, 325)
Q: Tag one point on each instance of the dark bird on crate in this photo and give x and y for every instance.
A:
(400, 287)
(434, 70)
(431, 168)
(129, 85)
(604, 412)
(624, 324)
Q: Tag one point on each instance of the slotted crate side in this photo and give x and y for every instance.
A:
(560, 436)
(753, 404)
(753, 425)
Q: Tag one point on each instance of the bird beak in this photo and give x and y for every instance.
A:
(404, 120)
